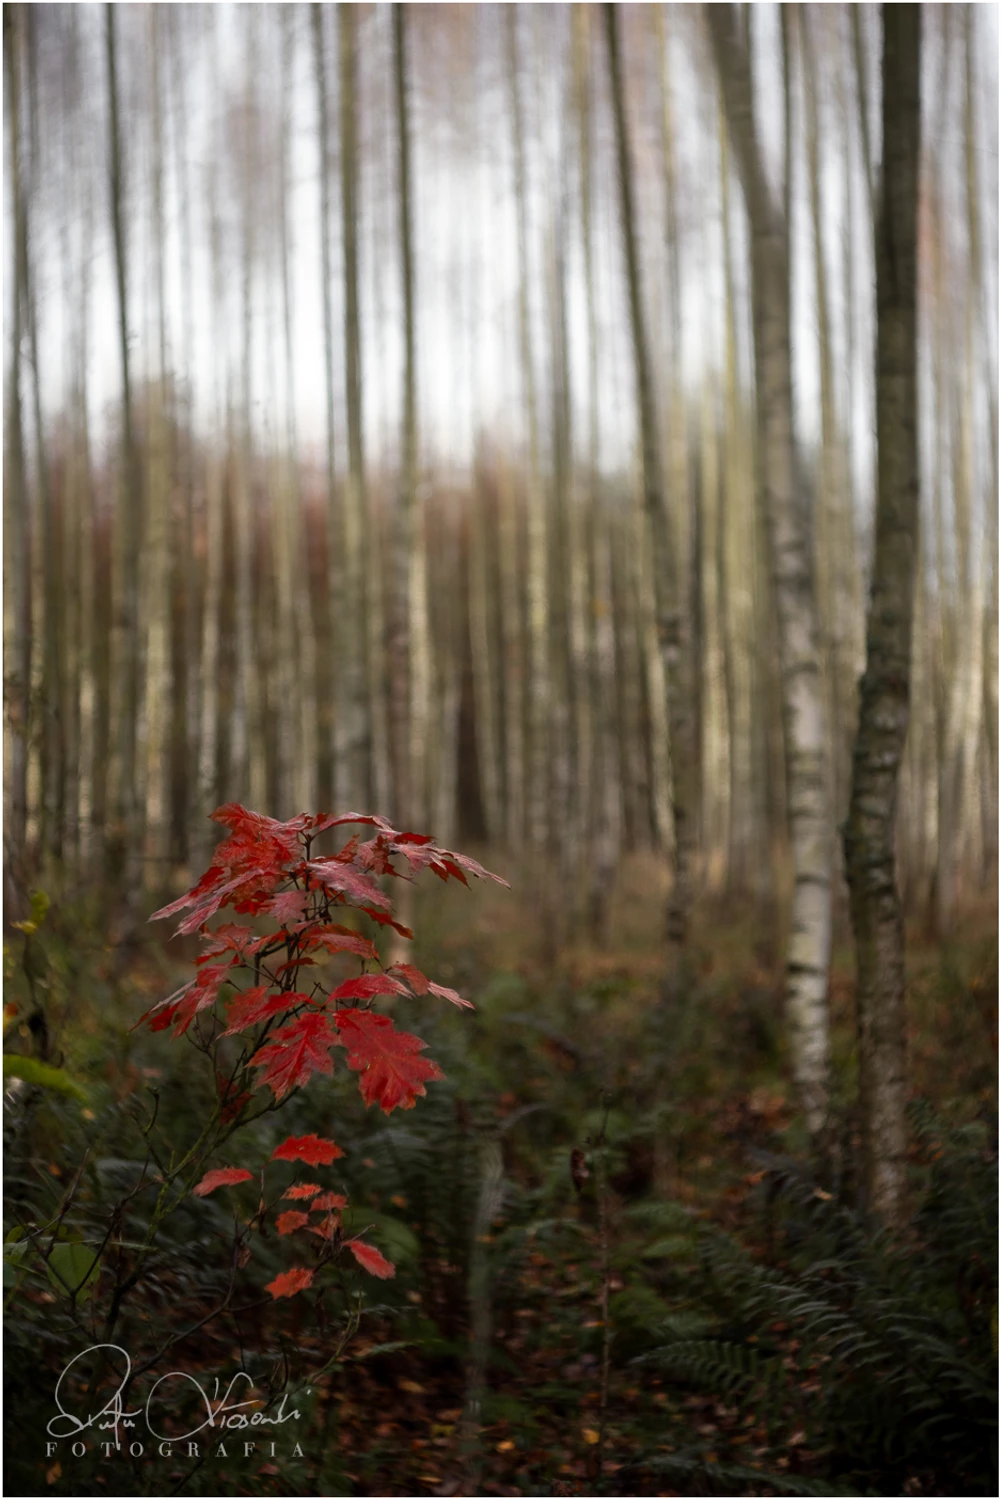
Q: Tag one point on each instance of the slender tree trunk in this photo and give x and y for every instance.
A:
(125, 845)
(410, 657)
(869, 836)
(17, 611)
(159, 695)
(672, 633)
(537, 768)
(810, 821)
(356, 751)
(331, 788)
(300, 749)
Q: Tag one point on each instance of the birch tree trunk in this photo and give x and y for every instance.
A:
(809, 812)
(672, 634)
(124, 846)
(537, 766)
(884, 694)
(17, 535)
(355, 718)
(330, 770)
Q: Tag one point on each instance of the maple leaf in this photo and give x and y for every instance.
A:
(312, 1149)
(231, 1101)
(184, 1004)
(299, 1049)
(288, 906)
(290, 1282)
(328, 1203)
(340, 879)
(417, 981)
(391, 1072)
(453, 995)
(366, 986)
(231, 937)
(302, 1190)
(340, 940)
(386, 921)
(290, 1220)
(221, 1177)
(370, 1259)
(256, 1005)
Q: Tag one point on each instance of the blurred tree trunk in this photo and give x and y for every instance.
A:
(299, 749)
(124, 844)
(48, 535)
(331, 788)
(17, 612)
(869, 835)
(357, 746)
(187, 580)
(603, 778)
(209, 711)
(537, 768)
(672, 633)
(412, 647)
(160, 692)
(810, 821)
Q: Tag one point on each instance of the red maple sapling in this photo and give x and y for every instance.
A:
(285, 1018)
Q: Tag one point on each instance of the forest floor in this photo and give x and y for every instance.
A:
(481, 1369)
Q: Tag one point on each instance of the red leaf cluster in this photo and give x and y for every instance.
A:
(292, 1022)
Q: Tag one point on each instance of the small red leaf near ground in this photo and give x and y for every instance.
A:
(392, 1072)
(290, 1282)
(369, 1258)
(327, 1203)
(327, 1228)
(221, 1177)
(303, 1190)
(291, 1219)
(312, 1149)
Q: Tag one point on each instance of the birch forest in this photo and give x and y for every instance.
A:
(357, 456)
(568, 434)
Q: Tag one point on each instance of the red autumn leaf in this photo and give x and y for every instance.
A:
(320, 824)
(290, 1282)
(413, 838)
(302, 1190)
(339, 940)
(327, 1228)
(339, 879)
(288, 906)
(417, 981)
(231, 1101)
(213, 875)
(312, 1149)
(253, 1006)
(291, 1219)
(366, 986)
(371, 1260)
(392, 1072)
(180, 1008)
(447, 994)
(299, 1049)
(384, 921)
(221, 1177)
(231, 937)
(328, 1203)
